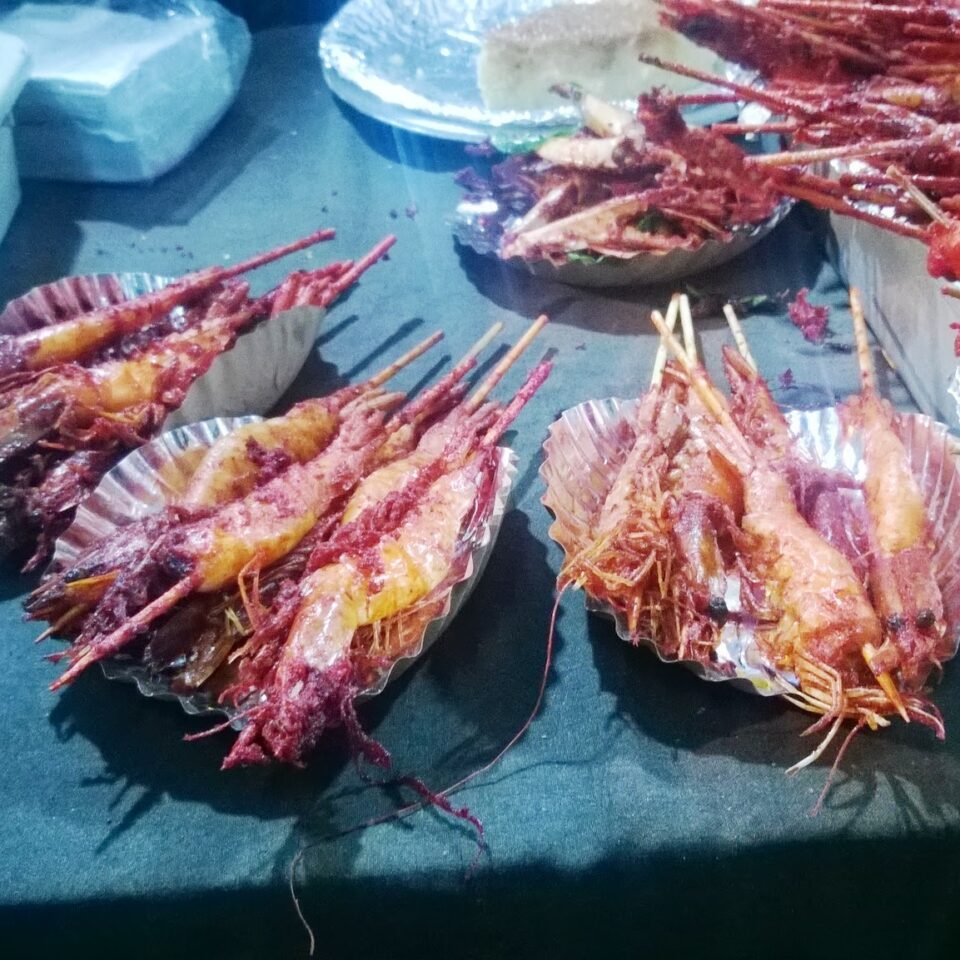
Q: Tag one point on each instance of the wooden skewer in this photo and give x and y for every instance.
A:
(867, 373)
(733, 321)
(712, 400)
(479, 346)
(917, 195)
(498, 372)
(388, 372)
(660, 361)
(686, 322)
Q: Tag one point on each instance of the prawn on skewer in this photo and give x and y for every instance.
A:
(118, 392)
(71, 340)
(314, 681)
(902, 579)
(814, 616)
(705, 506)
(825, 498)
(659, 546)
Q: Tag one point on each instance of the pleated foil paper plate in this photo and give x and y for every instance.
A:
(588, 443)
(480, 226)
(249, 378)
(148, 479)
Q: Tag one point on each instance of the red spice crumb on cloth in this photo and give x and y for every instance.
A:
(786, 379)
(811, 321)
(956, 342)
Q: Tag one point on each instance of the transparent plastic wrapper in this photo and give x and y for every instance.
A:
(145, 481)
(122, 91)
(588, 444)
(14, 67)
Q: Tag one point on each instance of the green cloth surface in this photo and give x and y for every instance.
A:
(646, 812)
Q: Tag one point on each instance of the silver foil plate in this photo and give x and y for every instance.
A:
(156, 474)
(412, 64)
(248, 378)
(585, 449)
(643, 268)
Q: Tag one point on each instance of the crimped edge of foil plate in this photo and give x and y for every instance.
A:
(643, 268)
(250, 377)
(585, 447)
(145, 481)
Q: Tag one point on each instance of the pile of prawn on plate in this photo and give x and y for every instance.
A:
(866, 90)
(812, 555)
(627, 198)
(293, 563)
(88, 373)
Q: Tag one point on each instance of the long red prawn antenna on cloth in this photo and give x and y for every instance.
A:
(72, 339)
(427, 796)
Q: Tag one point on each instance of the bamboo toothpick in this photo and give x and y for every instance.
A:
(660, 361)
(733, 321)
(499, 371)
(867, 373)
(479, 346)
(391, 371)
(686, 321)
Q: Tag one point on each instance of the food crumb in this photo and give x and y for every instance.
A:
(411, 211)
(811, 321)
(786, 379)
(394, 214)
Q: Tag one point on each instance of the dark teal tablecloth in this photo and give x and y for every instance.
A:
(645, 813)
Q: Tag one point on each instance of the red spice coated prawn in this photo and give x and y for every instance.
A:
(129, 399)
(72, 339)
(122, 391)
(901, 575)
(314, 681)
(207, 554)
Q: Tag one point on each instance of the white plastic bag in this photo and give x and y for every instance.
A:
(122, 90)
